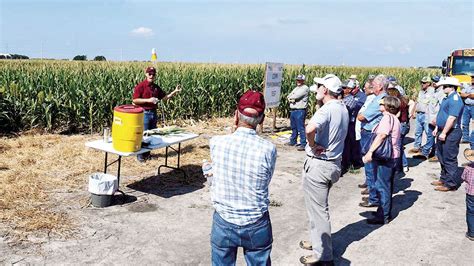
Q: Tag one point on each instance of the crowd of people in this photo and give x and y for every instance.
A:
(355, 127)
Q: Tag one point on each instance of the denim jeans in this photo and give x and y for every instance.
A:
(256, 240)
(150, 118)
(423, 126)
(447, 152)
(470, 214)
(404, 130)
(384, 172)
(365, 137)
(472, 140)
(297, 118)
(467, 115)
(351, 155)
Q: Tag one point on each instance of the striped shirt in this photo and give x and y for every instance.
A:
(468, 177)
(242, 166)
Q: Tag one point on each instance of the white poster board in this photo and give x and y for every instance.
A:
(273, 78)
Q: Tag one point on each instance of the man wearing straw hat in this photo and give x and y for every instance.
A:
(448, 132)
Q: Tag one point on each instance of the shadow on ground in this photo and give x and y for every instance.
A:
(172, 183)
(354, 232)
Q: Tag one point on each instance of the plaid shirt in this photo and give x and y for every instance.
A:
(468, 177)
(242, 166)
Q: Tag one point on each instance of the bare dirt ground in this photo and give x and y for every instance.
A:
(166, 220)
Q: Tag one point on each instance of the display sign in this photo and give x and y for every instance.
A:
(273, 78)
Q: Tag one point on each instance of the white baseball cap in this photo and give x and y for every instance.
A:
(331, 82)
(300, 77)
(449, 81)
(353, 76)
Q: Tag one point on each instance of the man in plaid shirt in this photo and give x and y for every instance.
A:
(242, 166)
(468, 177)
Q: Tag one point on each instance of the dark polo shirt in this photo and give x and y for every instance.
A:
(146, 90)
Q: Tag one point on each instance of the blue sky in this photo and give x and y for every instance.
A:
(355, 33)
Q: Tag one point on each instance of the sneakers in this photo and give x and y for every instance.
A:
(306, 245)
(419, 155)
(433, 159)
(290, 144)
(470, 237)
(414, 150)
(437, 183)
(365, 192)
(312, 260)
(367, 204)
(364, 185)
(300, 147)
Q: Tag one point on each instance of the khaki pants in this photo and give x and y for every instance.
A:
(318, 177)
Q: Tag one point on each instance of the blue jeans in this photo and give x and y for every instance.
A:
(384, 172)
(470, 214)
(256, 239)
(404, 130)
(297, 118)
(150, 118)
(423, 126)
(472, 140)
(467, 115)
(365, 137)
(447, 152)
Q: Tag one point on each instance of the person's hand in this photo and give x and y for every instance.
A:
(435, 132)
(316, 150)
(178, 88)
(367, 158)
(153, 100)
(442, 137)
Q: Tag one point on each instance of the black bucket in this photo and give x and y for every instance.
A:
(101, 201)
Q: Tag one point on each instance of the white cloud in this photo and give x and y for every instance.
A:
(388, 48)
(142, 32)
(405, 49)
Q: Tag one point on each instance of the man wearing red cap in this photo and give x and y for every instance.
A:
(243, 165)
(146, 95)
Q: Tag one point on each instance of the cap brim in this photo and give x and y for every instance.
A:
(318, 80)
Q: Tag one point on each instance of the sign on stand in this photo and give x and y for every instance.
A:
(272, 89)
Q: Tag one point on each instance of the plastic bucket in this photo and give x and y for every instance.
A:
(101, 201)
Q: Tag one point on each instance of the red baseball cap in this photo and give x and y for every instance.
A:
(150, 70)
(252, 99)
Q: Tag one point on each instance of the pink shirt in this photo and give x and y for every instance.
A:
(390, 125)
(468, 177)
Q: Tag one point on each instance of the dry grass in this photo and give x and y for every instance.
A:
(42, 176)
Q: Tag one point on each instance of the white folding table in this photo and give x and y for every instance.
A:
(157, 142)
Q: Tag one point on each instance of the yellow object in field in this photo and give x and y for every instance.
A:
(127, 128)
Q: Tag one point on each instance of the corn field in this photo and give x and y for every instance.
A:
(80, 96)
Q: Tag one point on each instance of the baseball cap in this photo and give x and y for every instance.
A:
(331, 82)
(348, 84)
(150, 70)
(426, 79)
(300, 77)
(435, 78)
(252, 99)
(449, 81)
(392, 79)
(353, 76)
(371, 77)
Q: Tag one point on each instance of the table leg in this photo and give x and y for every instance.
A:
(105, 163)
(171, 167)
